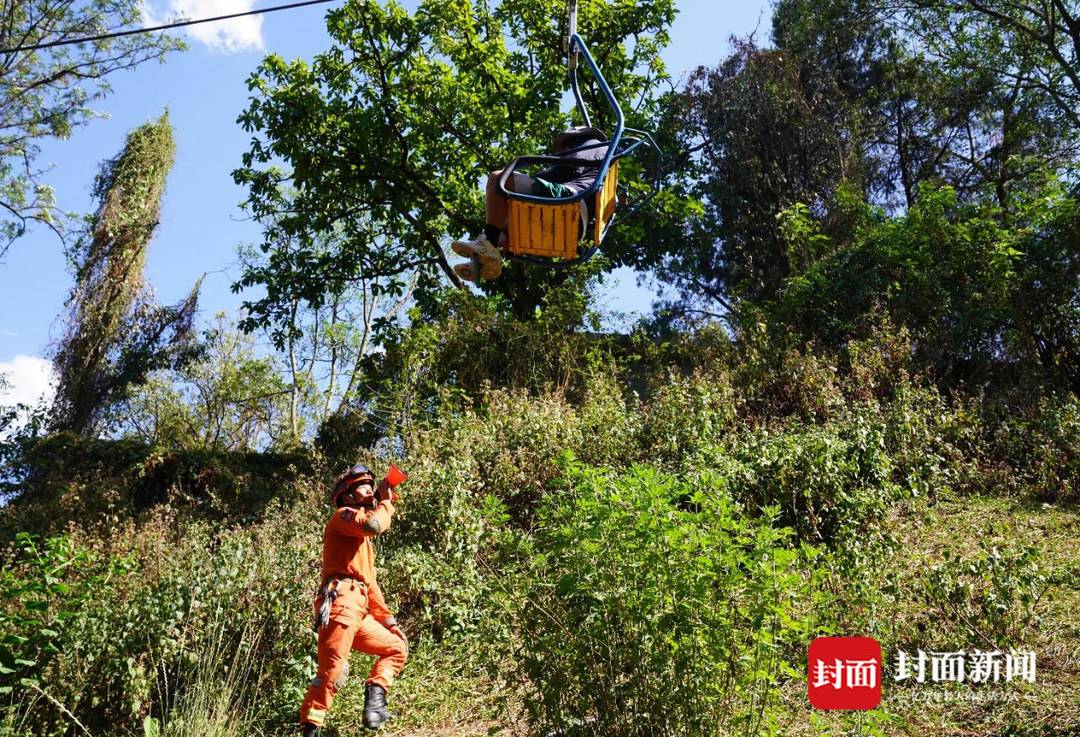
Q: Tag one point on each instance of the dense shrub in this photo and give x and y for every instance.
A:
(988, 599)
(118, 636)
(777, 379)
(508, 443)
(474, 344)
(91, 481)
(989, 297)
(473, 474)
(37, 619)
(1037, 452)
(685, 415)
(657, 608)
(830, 483)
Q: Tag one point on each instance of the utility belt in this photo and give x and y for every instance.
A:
(328, 593)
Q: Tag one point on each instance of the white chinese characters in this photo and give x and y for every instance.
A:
(975, 667)
(846, 674)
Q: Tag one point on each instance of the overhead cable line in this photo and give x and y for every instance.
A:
(177, 24)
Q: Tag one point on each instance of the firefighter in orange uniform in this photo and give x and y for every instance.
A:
(350, 612)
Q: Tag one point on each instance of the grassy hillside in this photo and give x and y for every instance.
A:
(646, 548)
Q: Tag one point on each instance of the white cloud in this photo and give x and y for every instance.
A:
(29, 380)
(233, 35)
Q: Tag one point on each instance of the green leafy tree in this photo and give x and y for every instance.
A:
(116, 334)
(765, 134)
(228, 399)
(386, 136)
(324, 338)
(327, 356)
(985, 302)
(1028, 56)
(49, 92)
(971, 107)
(908, 107)
(1035, 43)
(866, 97)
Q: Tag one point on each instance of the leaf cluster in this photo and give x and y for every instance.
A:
(50, 92)
(658, 607)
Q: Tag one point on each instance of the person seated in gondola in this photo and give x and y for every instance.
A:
(583, 144)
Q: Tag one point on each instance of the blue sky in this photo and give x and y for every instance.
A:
(202, 224)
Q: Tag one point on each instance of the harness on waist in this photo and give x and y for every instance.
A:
(328, 593)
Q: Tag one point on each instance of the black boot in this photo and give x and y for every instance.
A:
(310, 730)
(375, 713)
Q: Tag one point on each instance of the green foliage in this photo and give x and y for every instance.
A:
(471, 344)
(1039, 46)
(963, 108)
(477, 476)
(116, 334)
(463, 347)
(70, 479)
(956, 278)
(658, 608)
(217, 692)
(129, 189)
(1045, 304)
(48, 92)
(686, 415)
(745, 496)
(1035, 452)
(990, 598)
(934, 443)
(831, 483)
(40, 602)
(777, 379)
(323, 348)
(875, 101)
(384, 137)
(782, 138)
(228, 399)
(165, 635)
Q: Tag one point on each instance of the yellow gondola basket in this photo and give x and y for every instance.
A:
(553, 231)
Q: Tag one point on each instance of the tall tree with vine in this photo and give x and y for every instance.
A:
(116, 334)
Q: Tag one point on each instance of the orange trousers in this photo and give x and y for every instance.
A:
(350, 628)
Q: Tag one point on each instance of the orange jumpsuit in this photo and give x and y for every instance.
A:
(358, 616)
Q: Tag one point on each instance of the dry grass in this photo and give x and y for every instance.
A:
(216, 700)
(441, 693)
(1048, 708)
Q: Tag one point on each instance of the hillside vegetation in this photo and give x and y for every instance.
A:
(585, 558)
(853, 410)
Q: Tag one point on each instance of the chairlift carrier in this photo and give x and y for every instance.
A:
(559, 232)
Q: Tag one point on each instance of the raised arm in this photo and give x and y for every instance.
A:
(363, 522)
